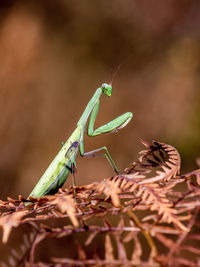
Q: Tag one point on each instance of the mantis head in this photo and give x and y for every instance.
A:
(107, 89)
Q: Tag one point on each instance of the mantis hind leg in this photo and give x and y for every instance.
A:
(73, 169)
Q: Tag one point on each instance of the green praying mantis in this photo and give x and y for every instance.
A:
(64, 163)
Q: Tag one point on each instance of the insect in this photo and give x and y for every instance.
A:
(64, 163)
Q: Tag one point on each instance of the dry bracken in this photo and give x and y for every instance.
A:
(146, 216)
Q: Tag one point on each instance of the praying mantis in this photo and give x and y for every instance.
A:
(64, 163)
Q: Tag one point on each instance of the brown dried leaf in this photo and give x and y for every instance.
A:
(81, 253)
(185, 262)
(137, 252)
(164, 240)
(164, 230)
(195, 173)
(3, 203)
(121, 249)
(121, 225)
(109, 252)
(37, 240)
(11, 220)
(91, 238)
(66, 204)
(192, 249)
(110, 189)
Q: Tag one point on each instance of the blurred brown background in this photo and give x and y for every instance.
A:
(54, 54)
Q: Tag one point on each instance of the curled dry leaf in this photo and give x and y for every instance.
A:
(157, 155)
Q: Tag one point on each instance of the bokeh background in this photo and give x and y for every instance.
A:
(53, 56)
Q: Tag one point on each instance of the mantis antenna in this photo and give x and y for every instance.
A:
(115, 73)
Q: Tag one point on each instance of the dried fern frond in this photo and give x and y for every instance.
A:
(157, 155)
(144, 203)
(155, 197)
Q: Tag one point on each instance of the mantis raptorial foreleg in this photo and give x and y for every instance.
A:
(111, 126)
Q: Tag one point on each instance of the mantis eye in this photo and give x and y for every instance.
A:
(103, 86)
